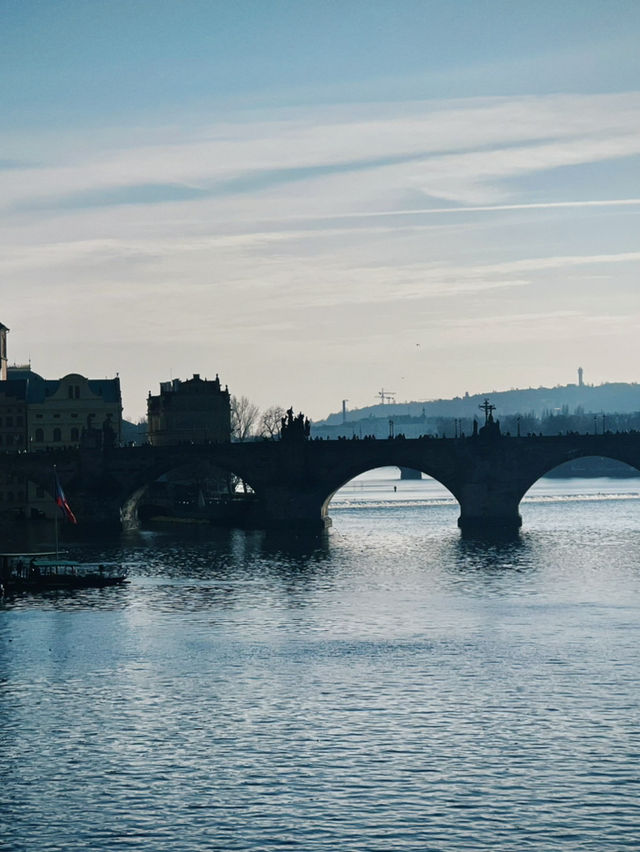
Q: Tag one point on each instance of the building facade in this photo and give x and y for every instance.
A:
(194, 411)
(70, 412)
(3, 352)
(13, 439)
(38, 414)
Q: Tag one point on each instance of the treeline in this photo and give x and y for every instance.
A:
(557, 422)
(549, 423)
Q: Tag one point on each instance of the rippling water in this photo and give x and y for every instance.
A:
(389, 687)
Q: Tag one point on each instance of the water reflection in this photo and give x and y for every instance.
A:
(374, 688)
(296, 546)
(198, 568)
(491, 552)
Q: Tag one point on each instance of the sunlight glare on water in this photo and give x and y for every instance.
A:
(388, 686)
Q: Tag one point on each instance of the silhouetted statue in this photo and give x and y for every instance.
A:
(294, 428)
(108, 434)
(491, 428)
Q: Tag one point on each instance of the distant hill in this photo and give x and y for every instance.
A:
(620, 397)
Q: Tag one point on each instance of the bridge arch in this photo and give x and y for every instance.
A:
(185, 474)
(344, 479)
(626, 460)
(493, 493)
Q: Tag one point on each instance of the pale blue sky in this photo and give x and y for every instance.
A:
(316, 199)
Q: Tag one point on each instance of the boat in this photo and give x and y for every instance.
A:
(39, 572)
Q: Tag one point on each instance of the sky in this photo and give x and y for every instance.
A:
(317, 200)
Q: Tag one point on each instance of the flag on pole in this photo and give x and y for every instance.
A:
(61, 501)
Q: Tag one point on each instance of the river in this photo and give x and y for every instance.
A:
(390, 686)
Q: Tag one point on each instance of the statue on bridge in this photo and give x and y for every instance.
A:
(296, 428)
(491, 428)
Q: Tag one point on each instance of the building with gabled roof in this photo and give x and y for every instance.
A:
(37, 414)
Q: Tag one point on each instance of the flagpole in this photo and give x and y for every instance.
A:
(55, 516)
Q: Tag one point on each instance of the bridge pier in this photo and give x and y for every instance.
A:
(96, 511)
(488, 507)
(285, 507)
(95, 495)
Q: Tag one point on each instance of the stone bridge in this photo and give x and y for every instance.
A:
(294, 481)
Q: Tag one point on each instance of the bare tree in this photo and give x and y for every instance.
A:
(271, 421)
(243, 417)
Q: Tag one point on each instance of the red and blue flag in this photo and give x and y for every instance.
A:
(61, 501)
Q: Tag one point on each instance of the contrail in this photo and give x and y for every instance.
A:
(490, 208)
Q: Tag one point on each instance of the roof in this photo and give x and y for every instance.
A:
(23, 383)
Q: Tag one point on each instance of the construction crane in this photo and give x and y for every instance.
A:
(386, 396)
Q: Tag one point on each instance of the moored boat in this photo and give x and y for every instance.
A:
(38, 572)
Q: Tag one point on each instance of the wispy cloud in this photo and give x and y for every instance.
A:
(310, 232)
(459, 151)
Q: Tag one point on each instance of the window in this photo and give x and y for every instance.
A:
(70, 390)
(18, 421)
(39, 435)
(57, 434)
(77, 389)
(75, 433)
(39, 491)
(9, 421)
